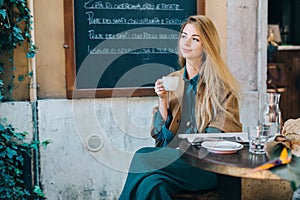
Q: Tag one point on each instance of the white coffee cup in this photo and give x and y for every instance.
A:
(170, 82)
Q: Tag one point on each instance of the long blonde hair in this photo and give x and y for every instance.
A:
(215, 74)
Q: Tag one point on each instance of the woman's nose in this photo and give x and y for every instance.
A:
(187, 41)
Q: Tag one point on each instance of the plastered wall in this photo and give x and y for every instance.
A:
(50, 58)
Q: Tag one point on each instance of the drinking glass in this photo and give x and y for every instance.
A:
(258, 137)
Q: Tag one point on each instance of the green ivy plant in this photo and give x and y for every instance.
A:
(15, 30)
(13, 152)
(15, 27)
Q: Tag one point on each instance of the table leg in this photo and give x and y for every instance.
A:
(229, 187)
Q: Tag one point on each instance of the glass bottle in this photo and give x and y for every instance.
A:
(271, 114)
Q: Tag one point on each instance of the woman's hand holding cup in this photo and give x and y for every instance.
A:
(160, 89)
(167, 83)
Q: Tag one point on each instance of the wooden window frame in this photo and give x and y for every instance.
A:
(69, 44)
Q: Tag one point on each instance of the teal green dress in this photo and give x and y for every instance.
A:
(158, 172)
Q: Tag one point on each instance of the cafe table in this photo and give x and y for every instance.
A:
(230, 168)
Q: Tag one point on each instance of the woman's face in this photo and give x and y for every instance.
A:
(190, 44)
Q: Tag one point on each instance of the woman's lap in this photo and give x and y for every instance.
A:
(160, 171)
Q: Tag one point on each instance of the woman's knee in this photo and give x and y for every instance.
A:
(146, 150)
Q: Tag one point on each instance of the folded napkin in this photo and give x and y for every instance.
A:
(284, 158)
(290, 138)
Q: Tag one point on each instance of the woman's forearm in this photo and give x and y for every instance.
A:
(163, 108)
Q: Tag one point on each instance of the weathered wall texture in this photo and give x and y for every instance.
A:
(19, 114)
(216, 10)
(242, 43)
(244, 46)
(50, 58)
(70, 170)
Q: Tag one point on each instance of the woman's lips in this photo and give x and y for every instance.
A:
(186, 50)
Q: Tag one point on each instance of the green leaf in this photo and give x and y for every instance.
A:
(21, 78)
(24, 133)
(17, 32)
(27, 34)
(1, 68)
(34, 145)
(30, 54)
(45, 143)
(1, 128)
(7, 26)
(2, 154)
(27, 193)
(10, 152)
(6, 136)
(2, 11)
(38, 191)
(20, 158)
(18, 171)
(30, 74)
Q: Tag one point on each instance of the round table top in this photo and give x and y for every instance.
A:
(239, 164)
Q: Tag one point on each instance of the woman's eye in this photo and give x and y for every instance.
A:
(183, 36)
(196, 39)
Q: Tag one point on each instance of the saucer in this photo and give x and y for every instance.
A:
(222, 147)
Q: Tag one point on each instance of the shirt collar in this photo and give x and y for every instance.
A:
(193, 81)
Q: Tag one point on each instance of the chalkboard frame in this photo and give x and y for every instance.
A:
(69, 44)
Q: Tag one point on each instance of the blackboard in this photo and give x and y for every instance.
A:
(126, 44)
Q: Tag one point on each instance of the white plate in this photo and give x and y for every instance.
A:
(222, 147)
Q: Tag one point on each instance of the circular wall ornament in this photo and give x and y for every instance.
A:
(94, 142)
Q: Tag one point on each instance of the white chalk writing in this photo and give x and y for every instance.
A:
(92, 4)
(92, 20)
(93, 35)
(98, 51)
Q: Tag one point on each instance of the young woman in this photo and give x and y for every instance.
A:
(205, 101)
